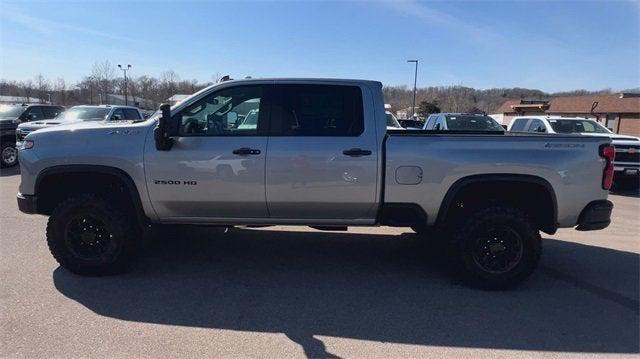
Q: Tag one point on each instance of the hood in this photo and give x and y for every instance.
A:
(91, 126)
(45, 123)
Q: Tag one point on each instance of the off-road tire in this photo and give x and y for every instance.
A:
(489, 224)
(3, 163)
(124, 236)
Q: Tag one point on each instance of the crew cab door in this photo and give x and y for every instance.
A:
(322, 158)
(216, 167)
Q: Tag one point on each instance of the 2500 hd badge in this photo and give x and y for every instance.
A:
(178, 182)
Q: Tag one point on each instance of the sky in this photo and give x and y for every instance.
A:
(547, 45)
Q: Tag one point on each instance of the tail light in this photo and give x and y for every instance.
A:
(608, 152)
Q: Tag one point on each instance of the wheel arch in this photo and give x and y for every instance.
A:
(513, 184)
(99, 174)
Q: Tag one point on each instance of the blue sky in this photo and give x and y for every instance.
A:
(549, 45)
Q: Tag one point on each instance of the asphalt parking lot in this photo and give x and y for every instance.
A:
(295, 292)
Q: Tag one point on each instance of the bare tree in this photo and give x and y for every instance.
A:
(60, 89)
(104, 75)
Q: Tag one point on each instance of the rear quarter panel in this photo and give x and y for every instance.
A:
(571, 165)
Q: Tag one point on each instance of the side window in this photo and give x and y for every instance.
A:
(235, 111)
(131, 114)
(117, 115)
(34, 113)
(439, 125)
(430, 122)
(317, 110)
(536, 126)
(519, 124)
(51, 111)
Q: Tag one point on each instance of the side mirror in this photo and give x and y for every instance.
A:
(541, 129)
(610, 129)
(161, 133)
(116, 118)
(437, 127)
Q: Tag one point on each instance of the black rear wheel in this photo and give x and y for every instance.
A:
(89, 235)
(497, 247)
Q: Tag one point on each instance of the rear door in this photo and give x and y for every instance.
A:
(322, 158)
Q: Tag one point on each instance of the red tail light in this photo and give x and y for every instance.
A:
(608, 152)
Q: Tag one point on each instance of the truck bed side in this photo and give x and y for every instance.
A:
(571, 165)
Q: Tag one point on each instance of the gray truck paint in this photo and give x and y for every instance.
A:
(328, 189)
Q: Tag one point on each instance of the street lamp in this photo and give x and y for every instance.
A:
(415, 80)
(90, 78)
(125, 81)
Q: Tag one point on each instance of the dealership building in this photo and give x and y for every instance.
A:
(619, 112)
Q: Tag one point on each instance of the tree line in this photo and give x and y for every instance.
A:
(105, 78)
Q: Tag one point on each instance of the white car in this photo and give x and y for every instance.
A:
(80, 114)
(392, 122)
(627, 160)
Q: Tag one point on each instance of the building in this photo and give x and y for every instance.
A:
(114, 99)
(16, 100)
(619, 112)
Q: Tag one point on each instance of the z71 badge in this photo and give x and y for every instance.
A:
(176, 182)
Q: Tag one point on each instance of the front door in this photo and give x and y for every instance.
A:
(216, 167)
(322, 160)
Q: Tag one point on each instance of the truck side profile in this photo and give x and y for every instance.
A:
(318, 155)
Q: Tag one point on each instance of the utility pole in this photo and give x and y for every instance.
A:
(415, 81)
(125, 81)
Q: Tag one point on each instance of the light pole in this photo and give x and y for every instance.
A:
(90, 90)
(415, 80)
(125, 81)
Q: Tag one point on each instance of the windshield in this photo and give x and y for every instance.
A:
(473, 123)
(84, 113)
(11, 111)
(391, 121)
(577, 126)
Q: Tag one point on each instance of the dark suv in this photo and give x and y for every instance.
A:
(10, 117)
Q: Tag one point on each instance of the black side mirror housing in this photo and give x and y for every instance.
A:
(161, 133)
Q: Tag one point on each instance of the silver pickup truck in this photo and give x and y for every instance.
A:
(318, 154)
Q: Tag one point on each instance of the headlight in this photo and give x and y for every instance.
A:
(26, 144)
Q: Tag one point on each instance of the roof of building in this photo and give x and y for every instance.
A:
(613, 103)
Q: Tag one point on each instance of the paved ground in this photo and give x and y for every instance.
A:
(291, 292)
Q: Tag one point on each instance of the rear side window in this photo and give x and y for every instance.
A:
(51, 111)
(34, 113)
(519, 124)
(536, 126)
(317, 110)
(131, 114)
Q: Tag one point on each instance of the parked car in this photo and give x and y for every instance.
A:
(461, 122)
(321, 156)
(627, 160)
(411, 124)
(392, 121)
(80, 114)
(10, 117)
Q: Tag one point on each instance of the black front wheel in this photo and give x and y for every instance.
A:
(89, 235)
(8, 155)
(497, 247)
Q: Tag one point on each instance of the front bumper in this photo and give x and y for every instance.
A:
(596, 215)
(27, 203)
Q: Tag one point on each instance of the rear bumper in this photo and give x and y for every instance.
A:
(596, 215)
(26, 203)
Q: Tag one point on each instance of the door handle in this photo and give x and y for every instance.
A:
(246, 151)
(356, 152)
